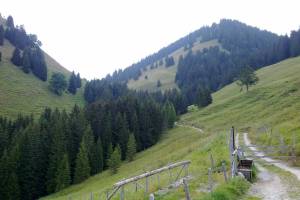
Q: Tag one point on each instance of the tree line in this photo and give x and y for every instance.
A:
(58, 83)
(27, 53)
(245, 47)
(42, 156)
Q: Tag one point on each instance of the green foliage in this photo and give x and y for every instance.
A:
(26, 61)
(233, 190)
(97, 157)
(2, 32)
(158, 83)
(203, 97)
(16, 57)
(10, 22)
(82, 169)
(131, 148)
(72, 84)
(247, 77)
(169, 114)
(63, 178)
(58, 83)
(115, 160)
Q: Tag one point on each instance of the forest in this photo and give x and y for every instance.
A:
(45, 155)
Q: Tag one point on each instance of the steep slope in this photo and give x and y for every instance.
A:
(25, 93)
(275, 101)
(166, 74)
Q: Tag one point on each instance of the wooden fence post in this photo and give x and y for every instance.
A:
(210, 180)
(212, 162)
(151, 197)
(294, 149)
(107, 194)
(158, 181)
(91, 196)
(136, 186)
(122, 193)
(147, 185)
(231, 150)
(186, 189)
(224, 171)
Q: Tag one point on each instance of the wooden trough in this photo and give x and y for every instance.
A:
(245, 167)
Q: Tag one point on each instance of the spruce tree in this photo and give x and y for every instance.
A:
(16, 57)
(26, 65)
(97, 157)
(115, 160)
(72, 83)
(63, 178)
(78, 81)
(2, 35)
(82, 169)
(131, 148)
(10, 22)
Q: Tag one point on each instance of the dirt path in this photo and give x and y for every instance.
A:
(269, 185)
(277, 163)
(189, 126)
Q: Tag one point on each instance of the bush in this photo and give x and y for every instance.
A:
(233, 190)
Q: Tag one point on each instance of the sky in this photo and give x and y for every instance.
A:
(96, 37)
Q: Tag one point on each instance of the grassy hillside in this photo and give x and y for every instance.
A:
(274, 101)
(23, 93)
(166, 75)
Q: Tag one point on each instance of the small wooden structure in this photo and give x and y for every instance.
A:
(245, 167)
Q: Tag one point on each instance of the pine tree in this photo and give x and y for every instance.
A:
(16, 57)
(97, 157)
(88, 139)
(131, 148)
(78, 81)
(63, 178)
(82, 169)
(2, 35)
(115, 160)
(38, 64)
(26, 65)
(10, 22)
(121, 133)
(72, 83)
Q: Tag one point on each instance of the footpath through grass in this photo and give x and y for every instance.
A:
(274, 101)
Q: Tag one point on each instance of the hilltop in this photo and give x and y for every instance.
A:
(274, 101)
(25, 93)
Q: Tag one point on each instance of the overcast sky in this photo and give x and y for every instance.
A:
(95, 37)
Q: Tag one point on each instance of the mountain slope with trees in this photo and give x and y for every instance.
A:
(237, 46)
(25, 92)
(274, 102)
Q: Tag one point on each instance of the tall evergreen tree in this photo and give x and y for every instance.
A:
(131, 148)
(115, 160)
(78, 81)
(16, 57)
(10, 22)
(63, 178)
(38, 63)
(121, 133)
(72, 83)
(97, 157)
(82, 169)
(9, 185)
(2, 35)
(56, 151)
(26, 64)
